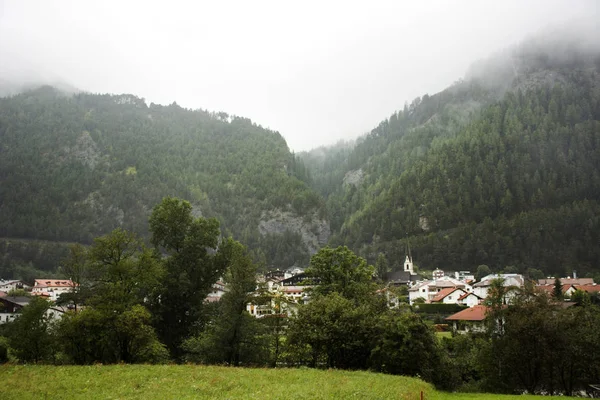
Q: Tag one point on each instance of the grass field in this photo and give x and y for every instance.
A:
(194, 382)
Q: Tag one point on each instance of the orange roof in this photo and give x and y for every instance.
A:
(475, 313)
(550, 288)
(445, 292)
(589, 288)
(53, 283)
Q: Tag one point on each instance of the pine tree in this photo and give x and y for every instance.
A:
(557, 292)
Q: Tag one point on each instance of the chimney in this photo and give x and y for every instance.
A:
(574, 274)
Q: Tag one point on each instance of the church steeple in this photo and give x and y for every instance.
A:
(408, 263)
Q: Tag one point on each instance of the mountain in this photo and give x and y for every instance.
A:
(74, 166)
(502, 168)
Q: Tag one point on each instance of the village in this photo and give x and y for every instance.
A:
(281, 292)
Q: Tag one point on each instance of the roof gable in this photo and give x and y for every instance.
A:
(442, 294)
(475, 313)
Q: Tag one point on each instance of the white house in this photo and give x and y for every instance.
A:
(218, 290)
(11, 308)
(7, 286)
(449, 295)
(52, 288)
(469, 299)
(465, 276)
(427, 290)
(469, 320)
(510, 280)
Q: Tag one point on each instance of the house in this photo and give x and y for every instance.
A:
(427, 290)
(437, 274)
(567, 281)
(277, 274)
(405, 275)
(449, 295)
(469, 320)
(510, 280)
(293, 272)
(11, 308)
(567, 289)
(400, 278)
(464, 276)
(469, 299)
(285, 294)
(7, 286)
(591, 289)
(52, 288)
(218, 290)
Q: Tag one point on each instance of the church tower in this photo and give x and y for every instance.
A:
(408, 263)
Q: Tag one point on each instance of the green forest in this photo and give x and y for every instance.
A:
(501, 169)
(74, 167)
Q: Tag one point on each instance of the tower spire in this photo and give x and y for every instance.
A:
(408, 263)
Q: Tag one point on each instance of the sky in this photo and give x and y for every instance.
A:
(316, 71)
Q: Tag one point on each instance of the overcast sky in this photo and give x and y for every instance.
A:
(316, 71)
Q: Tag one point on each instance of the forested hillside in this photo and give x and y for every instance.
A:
(73, 167)
(502, 168)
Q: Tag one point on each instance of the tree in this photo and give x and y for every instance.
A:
(535, 274)
(515, 361)
(557, 292)
(122, 275)
(406, 345)
(30, 335)
(381, 266)
(192, 263)
(341, 271)
(581, 297)
(18, 293)
(76, 268)
(122, 272)
(335, 330)
(482, 270)
(232, 336)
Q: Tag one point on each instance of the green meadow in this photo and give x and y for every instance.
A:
(202, 382)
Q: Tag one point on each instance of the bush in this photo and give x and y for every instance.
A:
(3, 350)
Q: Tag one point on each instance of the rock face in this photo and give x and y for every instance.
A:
(315, 231)
(85, 151)
(354, 177)
(424, 223)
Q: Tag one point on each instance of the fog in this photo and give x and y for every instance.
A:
(316, 71)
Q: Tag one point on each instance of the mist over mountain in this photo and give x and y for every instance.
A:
(501, 168)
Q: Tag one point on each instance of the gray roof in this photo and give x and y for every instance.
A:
(19, 300)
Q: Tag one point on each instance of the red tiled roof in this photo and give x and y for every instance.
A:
(550, 287)
(445, 292)
(475, 313)
(589, 288)
(2, 294)
(53, 283)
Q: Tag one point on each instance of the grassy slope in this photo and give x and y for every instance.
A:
(187, 382)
